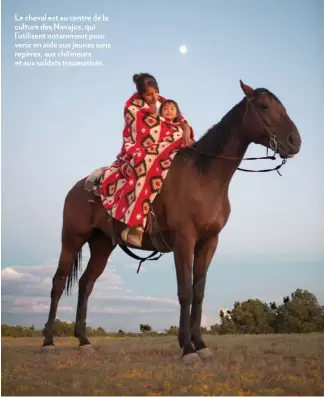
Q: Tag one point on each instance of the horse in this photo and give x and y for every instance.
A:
(192, 208)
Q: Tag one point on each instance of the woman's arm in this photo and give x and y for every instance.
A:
(135, 129)
(188, 134)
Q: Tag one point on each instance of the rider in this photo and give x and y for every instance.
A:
(131, 183)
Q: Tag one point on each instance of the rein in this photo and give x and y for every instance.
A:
(273, 143)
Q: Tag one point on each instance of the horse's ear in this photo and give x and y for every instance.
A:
(248, 91)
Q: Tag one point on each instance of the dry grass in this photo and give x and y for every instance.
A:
(243, 365)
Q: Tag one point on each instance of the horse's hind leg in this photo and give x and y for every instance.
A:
(101, 247)
(70, 247)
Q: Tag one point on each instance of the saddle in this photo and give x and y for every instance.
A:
(92, 185)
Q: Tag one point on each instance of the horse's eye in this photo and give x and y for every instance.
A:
(263, 106)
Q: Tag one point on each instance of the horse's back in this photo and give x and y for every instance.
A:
(77, 211)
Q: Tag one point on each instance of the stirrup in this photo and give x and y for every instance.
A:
(127, 237)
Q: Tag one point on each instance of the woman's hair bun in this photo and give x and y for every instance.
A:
(136, 77)
(143, 81)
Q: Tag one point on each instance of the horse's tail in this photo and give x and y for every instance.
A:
(73, 275)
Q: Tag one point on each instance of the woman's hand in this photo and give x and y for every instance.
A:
(187, 141)
(153, 108)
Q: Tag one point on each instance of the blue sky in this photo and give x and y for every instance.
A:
(60, 124)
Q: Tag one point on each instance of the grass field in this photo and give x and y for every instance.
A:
(242, 365)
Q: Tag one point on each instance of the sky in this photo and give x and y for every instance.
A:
(59, 124)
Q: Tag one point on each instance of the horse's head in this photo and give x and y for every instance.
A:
(266, 122)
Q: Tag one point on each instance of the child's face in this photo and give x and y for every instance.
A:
(169, 111)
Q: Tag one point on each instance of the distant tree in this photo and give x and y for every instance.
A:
(227, 326)
(145, 328)
(18, 331)
(300, 313)
(6, 330)
(215, 329)
(203, 330)
(63, 328)
(250, 317)
(99, 332)
(321, 321)
(173, 330)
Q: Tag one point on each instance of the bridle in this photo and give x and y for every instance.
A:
(273, 143)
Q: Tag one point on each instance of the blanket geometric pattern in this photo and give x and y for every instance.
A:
(131, 183)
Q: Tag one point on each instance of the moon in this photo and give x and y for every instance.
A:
(183, 49)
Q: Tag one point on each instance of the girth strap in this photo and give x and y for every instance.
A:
(138, 258)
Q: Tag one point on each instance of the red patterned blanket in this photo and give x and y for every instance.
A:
(131, 183)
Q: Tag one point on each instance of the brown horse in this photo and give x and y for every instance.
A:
(192, 209)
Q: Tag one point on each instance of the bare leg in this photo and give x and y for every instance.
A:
(183, 256)
(100, 248)
(204, 252)
(70, 247)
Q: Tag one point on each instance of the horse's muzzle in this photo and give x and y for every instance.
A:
(291, 147)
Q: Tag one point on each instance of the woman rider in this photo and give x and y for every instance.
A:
(131, 183)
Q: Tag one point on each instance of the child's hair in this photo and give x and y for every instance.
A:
(176, 106)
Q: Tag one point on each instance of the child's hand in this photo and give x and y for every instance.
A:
(186, 140)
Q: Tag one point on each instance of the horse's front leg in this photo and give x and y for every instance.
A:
(204, 252)
(183, 257)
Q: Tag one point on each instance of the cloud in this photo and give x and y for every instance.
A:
(26, 289)
(207, 321)
(128, 304)
(26, 300)
(9, 274)
(37, 280)
(22, 304)
(135, 266)
(142, 299)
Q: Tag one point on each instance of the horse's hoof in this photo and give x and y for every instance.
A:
(86, 349)
(190, 358)
(205, 354)
(49, 348)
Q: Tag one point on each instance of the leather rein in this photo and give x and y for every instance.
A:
(273, 144)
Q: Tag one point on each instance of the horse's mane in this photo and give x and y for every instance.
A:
(214, 140)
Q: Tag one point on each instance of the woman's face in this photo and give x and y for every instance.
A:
(151, 95)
